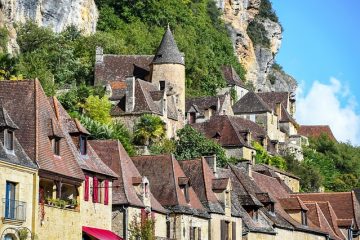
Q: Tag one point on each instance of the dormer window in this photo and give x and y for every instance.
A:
(55, 144)
(9, 139)
(83, 144)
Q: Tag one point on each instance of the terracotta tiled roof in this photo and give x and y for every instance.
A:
(316, 216)
(345, 204)
(89, 162)
(229, 130)
(292, 203)
(202, 180)
(251, 103)
(315, 131)
(231, 77)
(30, 109)
(268, 170)
(163, 172)
(117, 67)
(115, 156)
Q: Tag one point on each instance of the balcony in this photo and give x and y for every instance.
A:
(13, 210)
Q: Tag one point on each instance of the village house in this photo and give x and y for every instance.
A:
(233, 83)
(236, 135)
(133, 201)
(188, 218)
(201, 109)
(341, 208)
(18, 176)
(143, 84)
(215, 194)
(95, 195)
(63, 183)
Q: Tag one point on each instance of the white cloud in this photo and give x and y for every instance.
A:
(330, 104)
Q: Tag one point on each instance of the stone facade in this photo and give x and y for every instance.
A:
(25, 192)
(181, 224)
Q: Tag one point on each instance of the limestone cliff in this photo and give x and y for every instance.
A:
(56, 14)
(257, 59)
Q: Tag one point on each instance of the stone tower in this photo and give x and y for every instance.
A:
(168, 69)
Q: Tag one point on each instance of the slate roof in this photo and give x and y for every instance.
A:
(231, 77)
(147, 100)
(315, 131)
(229, 130)
(168, 51)
(344, 204)
(29, 108)
(203, 181)
(203, 103)
(5, 119)
(71, 129)
(272, 98)
(269, 170)
(115, 156)
(251, 103)
(115, 68)
(164, 172)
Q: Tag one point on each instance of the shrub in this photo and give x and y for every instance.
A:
(98, 109)
(258, 34)
(271, 78)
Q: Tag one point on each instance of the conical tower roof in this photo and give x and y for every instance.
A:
(168, 51)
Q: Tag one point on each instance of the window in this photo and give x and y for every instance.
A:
(9, 139)
(185, 190)
(10, 203)
(55, 144)
(162, 85)
(224, 228)
(303, 218)
(83, 144)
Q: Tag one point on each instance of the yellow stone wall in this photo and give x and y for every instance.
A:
(215, 226)
(96, 215)
(26, 180)
(260, 236)
(59, 224)
(180, 226)
(292, 183)
(173, 74)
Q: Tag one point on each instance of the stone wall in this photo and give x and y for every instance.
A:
(291, 182)
(180, 226)
(25, 180)
(215, 226)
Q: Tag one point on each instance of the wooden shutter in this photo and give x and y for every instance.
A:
(233, 230)
(223, 230)
(95, 190)
(199, 233)
(143, 217)
(106, 193)
(192, 233)
(86, 192)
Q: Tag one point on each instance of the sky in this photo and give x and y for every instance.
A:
(321, 50)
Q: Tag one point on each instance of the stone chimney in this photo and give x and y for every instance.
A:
(130, 94)
(99, 55)
(211, 161)
(278, 110)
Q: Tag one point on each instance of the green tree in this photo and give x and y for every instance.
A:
(97, 108)
(149, 129)
(262, 156)
(143, 230)
(192, 144)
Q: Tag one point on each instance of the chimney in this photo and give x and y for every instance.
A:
(211, 161)
(130, 94)
(99, 55)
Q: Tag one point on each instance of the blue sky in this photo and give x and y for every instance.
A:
(321, 50)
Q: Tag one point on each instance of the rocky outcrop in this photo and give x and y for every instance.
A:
(56, 14)
(256, 59)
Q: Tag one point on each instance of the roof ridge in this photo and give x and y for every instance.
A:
(203, 176)
(122, 173)
(173, 173)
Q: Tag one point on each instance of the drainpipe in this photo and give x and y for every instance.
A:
(209, 228)
(35, 206)
(126, 222)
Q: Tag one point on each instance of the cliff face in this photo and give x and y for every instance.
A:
(56, 14)
(257, 59)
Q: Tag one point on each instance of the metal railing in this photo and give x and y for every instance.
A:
(14, 210)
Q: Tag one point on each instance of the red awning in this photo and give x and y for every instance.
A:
(101, 234)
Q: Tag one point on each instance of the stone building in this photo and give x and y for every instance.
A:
(201, 109)
(215, 194)
(133, 200)
(62, 184)
(188, 218)
(143, 84)
(233, 83)
(315, 131)
(95, 195)
(235, 135)
(18, 175)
